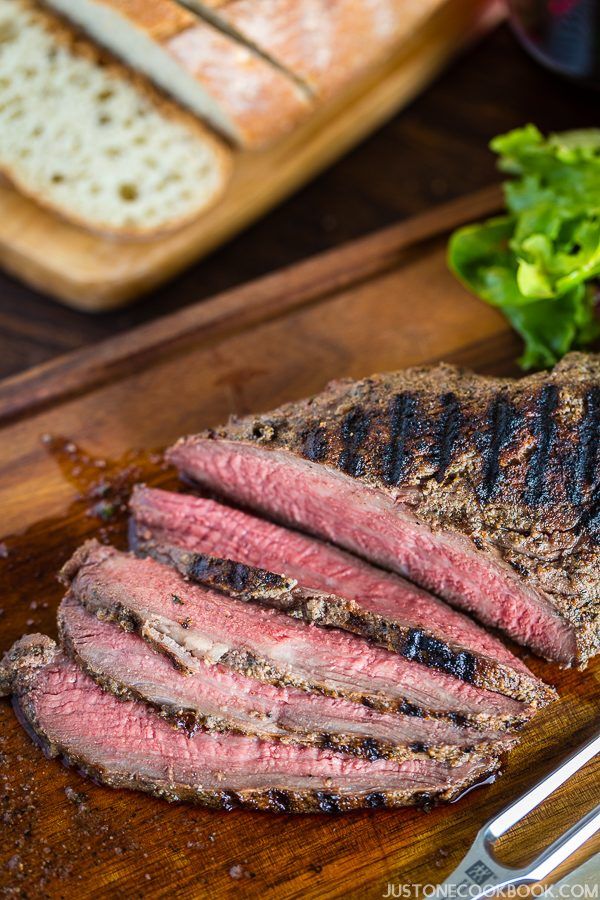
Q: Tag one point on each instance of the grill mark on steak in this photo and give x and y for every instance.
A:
(502, 423)
(448, 434)
(375, 800)
(584, 476)
(515, 544)
(52, 699)
(327, 610)
(424, 648)
(280, 801)
(328, 803)
(234, 577)
(354, 431)
(314, 444)
(402, 425)
(544, 432)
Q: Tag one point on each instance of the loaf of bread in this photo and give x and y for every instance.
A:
(82, 136)
(94, 141)
(324, 43)
(222, 80)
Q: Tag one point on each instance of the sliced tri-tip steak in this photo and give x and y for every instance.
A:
(196, 626)
(125, 744)
(218, 699)
(484, 491)
(352, 594)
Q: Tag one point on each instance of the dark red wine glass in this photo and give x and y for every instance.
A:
(562, 34)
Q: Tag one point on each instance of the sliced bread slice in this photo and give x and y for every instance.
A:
(80, 136)
(220, 79)
(324, 43)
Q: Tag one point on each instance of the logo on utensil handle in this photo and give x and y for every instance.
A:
(479, 872)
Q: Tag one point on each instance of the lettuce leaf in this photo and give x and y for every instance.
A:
(539, 264)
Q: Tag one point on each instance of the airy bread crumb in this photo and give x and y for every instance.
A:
(82, 136)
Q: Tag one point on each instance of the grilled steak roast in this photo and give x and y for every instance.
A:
(217, 699)
(374, 604)
(195, 626)
(484, 491)
(125, 744)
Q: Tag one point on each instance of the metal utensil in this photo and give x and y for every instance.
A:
(586, 875)
(480, 874)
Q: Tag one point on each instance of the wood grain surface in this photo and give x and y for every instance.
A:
(431, 152)
(67, 454)
(97, 273)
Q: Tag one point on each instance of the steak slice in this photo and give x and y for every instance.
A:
(342, 590)
(196, 626)
(125, 744)
(217, 699)
(484, 491)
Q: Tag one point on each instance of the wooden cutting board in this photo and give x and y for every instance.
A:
(96, 273)
(382, 303)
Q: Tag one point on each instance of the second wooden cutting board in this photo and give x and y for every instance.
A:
(95, 273)
(383, 303)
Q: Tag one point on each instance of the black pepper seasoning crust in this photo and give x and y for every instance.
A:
(512, 465)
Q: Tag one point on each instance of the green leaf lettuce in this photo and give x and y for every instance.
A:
(539, 263)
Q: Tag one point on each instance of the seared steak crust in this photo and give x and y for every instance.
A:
(20, 672)
(279, 800)
(512, 465)
(257, 585)
(31, 652)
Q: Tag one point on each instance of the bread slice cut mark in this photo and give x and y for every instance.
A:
(221, 80)
(323, 44)
(137, 48)
(210, 13)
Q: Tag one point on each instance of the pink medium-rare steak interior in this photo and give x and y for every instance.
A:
(140, 742)
(379, 527)
(205, 526)
(200, 625)
(265, 588)
(124, 740)
(225, 699)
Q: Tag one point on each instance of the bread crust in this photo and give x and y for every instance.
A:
(324, 44)
(260, 100)
(160, 19)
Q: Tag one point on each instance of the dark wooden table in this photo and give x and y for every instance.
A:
(433, 151)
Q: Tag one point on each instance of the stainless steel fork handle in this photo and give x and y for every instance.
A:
(565, 846)
(480, 874)
(585, 876)
(505, 820)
